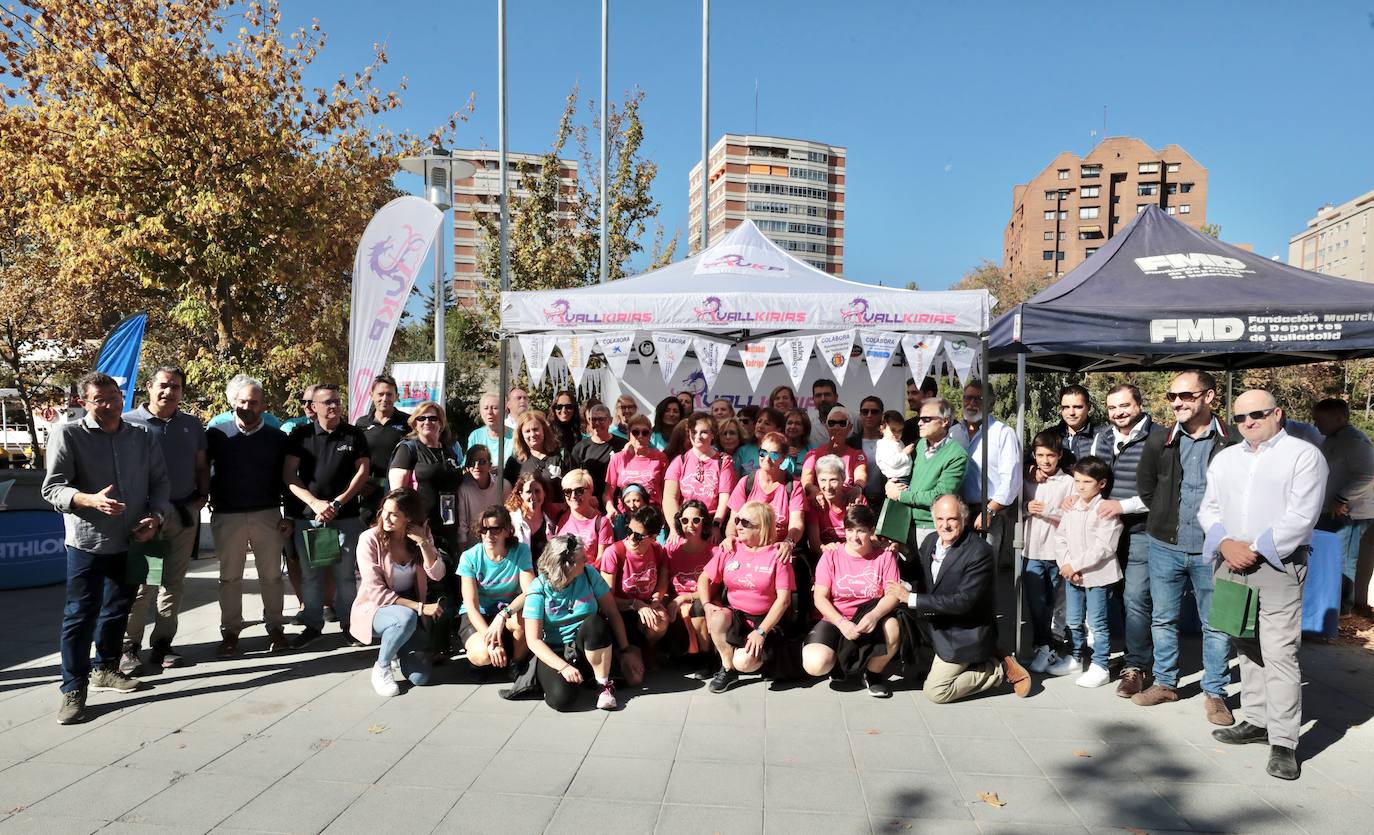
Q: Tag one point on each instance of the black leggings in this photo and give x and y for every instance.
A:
(593, 634)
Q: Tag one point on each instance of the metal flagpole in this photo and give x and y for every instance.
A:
(1019, 542)
(983, 455)
(440, 296)
(505, 215)
(705, 123)
(605, 34)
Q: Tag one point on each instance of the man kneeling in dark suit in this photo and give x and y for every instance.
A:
(950, 595)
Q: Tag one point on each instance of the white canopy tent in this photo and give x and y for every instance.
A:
(744, 291)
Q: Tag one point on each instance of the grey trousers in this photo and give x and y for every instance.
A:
(1270, 681)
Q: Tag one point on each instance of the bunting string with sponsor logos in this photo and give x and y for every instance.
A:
(962, 351)
(878, 349)
(537, 348)
(835, 349)
(921, 350)
(576, 350)
(795, 353)
(754, 357)
(616, 348)
(711, 357)
(670, 349)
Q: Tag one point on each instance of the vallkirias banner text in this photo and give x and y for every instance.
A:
(390, 253)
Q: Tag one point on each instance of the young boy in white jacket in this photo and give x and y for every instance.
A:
(1042, 494)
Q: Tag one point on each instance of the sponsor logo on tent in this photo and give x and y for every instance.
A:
(560, 312)
(857, 313)
(737, 262)
(1193, 265)
(712, 310)
(695, 384)
(1226, 329)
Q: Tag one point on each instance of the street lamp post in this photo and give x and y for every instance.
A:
(439, 169)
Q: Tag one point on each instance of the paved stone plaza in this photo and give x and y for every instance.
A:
(300, 743)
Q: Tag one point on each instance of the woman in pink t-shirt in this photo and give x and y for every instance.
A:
(856, 632)
(638, 463)
(636, 569)
(782, 493)
(759, 586)
(700, 473)
(583, 520)
(825, 517)
(688, 554)
(839, 424)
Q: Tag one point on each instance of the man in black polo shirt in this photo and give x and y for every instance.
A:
(593, 453)
(246, 458)
(384, 427)
(326, 467)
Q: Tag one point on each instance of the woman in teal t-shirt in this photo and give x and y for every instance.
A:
(572, 624)
(494, 572)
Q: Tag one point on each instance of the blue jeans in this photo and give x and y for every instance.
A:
(98, 604)
(1350, 547)
(1040, 582)
(1169, 568)
(345, 574)
(1139, 641)
(1087, 609)
(396, 627)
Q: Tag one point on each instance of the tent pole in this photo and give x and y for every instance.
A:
(1229, 398)
(1019, 542)
(504, 343)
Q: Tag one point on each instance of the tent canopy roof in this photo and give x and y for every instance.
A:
(743, 282)
(1161, 294)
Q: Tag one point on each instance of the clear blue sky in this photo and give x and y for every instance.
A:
(943, 106)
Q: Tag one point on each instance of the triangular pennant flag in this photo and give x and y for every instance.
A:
(834, 349)
(962, 351)
(878, 349)
(795, 353)
(616, 348)
(576, 350)
(537, 348)
(711, 356)
(514, 357)
(920, 349)
(754, 356)
(670, 348)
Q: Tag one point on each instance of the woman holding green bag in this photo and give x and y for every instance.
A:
(396, 560)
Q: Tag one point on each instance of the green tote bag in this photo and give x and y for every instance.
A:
(1235, 609)
(322, 547)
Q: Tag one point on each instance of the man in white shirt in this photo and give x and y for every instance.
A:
(1349, 503)
(1262, 501)
(1004, 467)
(517, 403)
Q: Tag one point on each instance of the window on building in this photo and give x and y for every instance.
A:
(1171, 188)
(1146, 189)
(817, 156)
(1088, 213)
(1172, 168)
(1063, 173)
(1185, 209)
(1049, 236)
(1140, 207)
(1185, 187)
(1090, 191)
(1090, 233)
(1089, 251)
(1169, 209)
(1149, 168)
(1049, 215)
(1088, 171)
(1052, 196)
(809, 174)
(1047, 255)
(1063, 236)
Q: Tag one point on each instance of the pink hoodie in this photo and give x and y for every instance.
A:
(1086, 543)
(375, 586)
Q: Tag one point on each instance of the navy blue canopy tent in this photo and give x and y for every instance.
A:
(1162, 295)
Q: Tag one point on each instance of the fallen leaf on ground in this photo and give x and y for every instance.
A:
(872, 731)
(1135, 830)
(991, 799)
(1084, 754)
(376, 729)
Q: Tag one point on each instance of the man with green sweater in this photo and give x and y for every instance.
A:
(937, 468)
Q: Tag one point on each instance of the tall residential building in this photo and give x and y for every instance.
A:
(791, 188)
(480, 194)
(1076, 204)
(1336, 241)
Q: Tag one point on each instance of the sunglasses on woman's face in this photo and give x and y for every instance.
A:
(641, 433)
(837, 423)
(562, 407)
(426, 418)
(744, 524)
(693, 520)
(638, 536)
(575, 492)
(491, 529)
(770, 455)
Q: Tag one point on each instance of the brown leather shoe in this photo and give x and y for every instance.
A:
(1217, 711)
(277, 641)
(1016, 676)
(228, 647)
(1156, 694)
(1132, 682)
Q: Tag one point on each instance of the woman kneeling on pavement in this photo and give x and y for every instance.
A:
(758, 585)
(494, 572)
(574, 629)
(856, 632)
(396, 559)
(636, 569)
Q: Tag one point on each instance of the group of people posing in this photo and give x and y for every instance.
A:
(580, 548)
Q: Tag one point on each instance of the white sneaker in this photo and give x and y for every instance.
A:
(1041, 660)
(1064, 665)
(1095, 677)
(382, 681)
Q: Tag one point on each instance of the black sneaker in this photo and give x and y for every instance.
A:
(305, 638)
(722, 680)
(113, 680)
(330, 616)
(129, 664)
(73, 708)
(877, 686)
